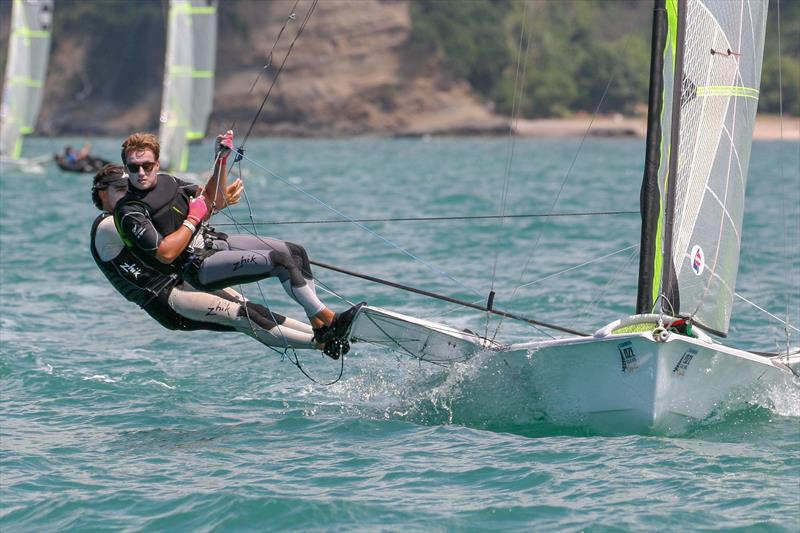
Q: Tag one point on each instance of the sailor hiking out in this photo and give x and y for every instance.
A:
(169, 300)
(161, 221)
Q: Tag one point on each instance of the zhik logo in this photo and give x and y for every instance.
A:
(132, 269)
(244, 261)
(219, 308)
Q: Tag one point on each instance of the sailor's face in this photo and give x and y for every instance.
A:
(142, 169)
(111, 195)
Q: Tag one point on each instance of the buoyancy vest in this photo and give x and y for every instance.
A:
(132, 277)
(167, 205)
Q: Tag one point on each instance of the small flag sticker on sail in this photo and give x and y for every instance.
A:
(698, 260)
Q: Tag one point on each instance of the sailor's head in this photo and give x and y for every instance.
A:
(109, 185)
(140, 153)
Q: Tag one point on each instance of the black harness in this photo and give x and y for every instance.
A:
(134, 279)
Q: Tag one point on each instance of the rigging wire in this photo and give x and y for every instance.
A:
(292, 17)
(558, 195)
(785, 323)
(363, 227)
(293, 356)
(612, 281)
(783, 184)
(516, 104)
(278, 73)
(576, 267)
(435, 219)
(289, 353)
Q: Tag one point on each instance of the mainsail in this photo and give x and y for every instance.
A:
(188, 78)
(26, 68)
(711, 72)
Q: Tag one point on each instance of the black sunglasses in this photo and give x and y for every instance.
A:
(133, 168)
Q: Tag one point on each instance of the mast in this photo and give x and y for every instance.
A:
(650, 253)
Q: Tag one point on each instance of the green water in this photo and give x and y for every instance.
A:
(109, 422)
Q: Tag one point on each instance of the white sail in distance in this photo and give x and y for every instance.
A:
(188, 78)
(26, 68)
(711, 105)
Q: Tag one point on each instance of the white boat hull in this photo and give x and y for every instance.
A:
(631, 383)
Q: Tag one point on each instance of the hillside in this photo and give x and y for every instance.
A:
(367, 67)
(352, 71)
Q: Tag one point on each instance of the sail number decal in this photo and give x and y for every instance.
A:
(683, 363)
(698, 259)
(627, 356)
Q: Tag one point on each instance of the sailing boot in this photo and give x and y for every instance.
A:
(340, 327)
(330, 345)
(333, 338)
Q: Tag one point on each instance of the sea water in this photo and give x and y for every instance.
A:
(110, 422)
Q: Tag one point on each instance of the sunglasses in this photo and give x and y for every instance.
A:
(133, 168)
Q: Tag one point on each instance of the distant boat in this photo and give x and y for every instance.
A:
(26, 68)
(188, 79)
(81, 161)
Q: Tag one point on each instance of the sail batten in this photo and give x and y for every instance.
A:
(188, 78)
(28, 54)
(715, 79)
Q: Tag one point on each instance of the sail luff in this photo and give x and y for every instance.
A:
(26, 69)
(670, 296)
(717, 75)
(188, 78)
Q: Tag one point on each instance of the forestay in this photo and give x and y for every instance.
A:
(424, 340)
(188, 78)
(711, 71)
(26, 68)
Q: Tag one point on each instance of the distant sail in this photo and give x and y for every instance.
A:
(708, 120)
(26, 68)
(188, 78)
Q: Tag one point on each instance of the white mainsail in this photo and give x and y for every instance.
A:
(26, 68)
(712, 110)
(188, 78)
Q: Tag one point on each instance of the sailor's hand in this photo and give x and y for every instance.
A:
(233, 192)
(197, 209)
(223, 146)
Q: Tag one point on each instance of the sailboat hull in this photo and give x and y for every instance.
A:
(632, 383)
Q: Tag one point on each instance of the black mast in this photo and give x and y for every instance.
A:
(649, 199)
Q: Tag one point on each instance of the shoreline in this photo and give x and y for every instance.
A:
(768, 127)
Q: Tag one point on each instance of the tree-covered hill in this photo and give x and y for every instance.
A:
(573, 50)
